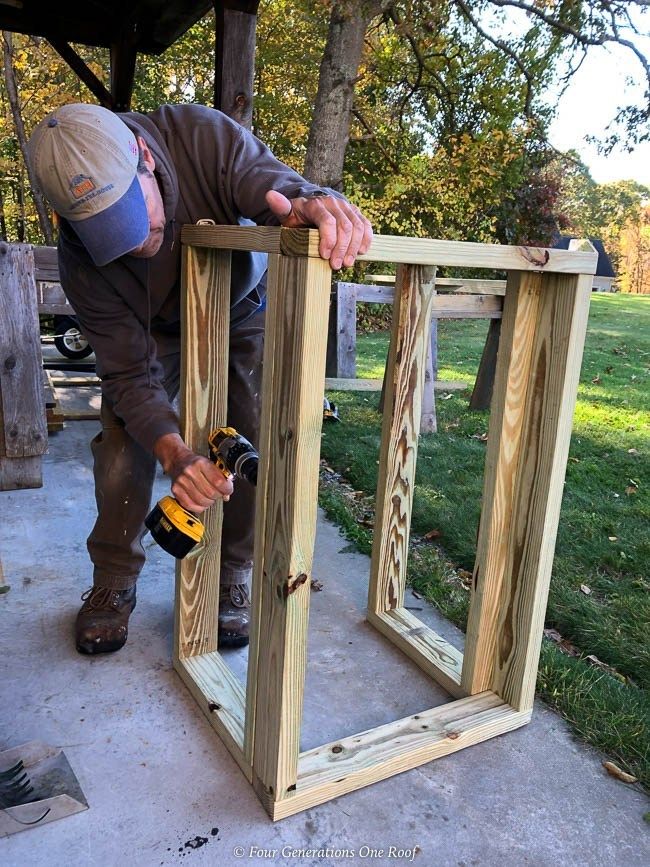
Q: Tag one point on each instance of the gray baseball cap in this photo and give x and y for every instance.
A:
(85, 159)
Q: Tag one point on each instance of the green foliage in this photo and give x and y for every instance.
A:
(44, 82)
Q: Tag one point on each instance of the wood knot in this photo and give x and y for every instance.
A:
(535, 256)
(10, 362)
(4, 249)
(337, 749)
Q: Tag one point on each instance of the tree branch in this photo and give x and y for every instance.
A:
(502, 46)
(373, 135)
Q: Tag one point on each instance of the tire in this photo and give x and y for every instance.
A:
(69, 341)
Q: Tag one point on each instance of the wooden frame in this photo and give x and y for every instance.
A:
(543, 328)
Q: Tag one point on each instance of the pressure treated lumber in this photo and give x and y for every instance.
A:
(221, 697)
(505, 437)
(204, 371)
(435, 656)
(350, 763)
(407, 356)
(528, 440)
(297, 307)
(272, 333)
(23, 425)
(386, 248)
(544, 321)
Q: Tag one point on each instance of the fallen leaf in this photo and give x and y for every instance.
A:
(596, 380)
(632, 452)
(481, 437)
(586, 590)
(575, 460)
(615, 771)
(433, 534)
(609, 369)
(316, 585)
(613, 538)
(447, 396)
(416, 594)
(5, 588)
(631, 489)
(564, 645)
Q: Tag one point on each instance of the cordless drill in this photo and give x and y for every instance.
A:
(175, 529)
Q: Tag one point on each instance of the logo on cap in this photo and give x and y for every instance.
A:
(81, 185)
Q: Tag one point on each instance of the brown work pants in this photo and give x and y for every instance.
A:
(124, 471)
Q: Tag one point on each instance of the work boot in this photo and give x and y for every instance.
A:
(102, 622)
(234, 615)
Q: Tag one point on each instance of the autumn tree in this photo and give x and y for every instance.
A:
(634, 253)
(528, 35)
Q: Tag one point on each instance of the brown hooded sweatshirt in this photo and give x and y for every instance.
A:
(208, 167)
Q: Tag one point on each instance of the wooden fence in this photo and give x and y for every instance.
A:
(480, 299)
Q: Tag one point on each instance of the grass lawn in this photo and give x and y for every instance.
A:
(595, 665)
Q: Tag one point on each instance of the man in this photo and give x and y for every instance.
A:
(123, 186)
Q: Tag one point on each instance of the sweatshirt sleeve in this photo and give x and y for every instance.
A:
(245, 169)
(131, 377)
(256, 171)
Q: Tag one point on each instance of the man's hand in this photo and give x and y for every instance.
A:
(344, 231)
(196, 482)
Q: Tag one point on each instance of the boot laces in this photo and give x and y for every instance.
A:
(239, 595)
(101, 598)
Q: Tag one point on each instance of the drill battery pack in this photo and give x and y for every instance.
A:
(176, 530)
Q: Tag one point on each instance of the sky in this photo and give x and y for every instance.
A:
(589, 104)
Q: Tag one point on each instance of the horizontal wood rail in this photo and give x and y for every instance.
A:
(387, 248)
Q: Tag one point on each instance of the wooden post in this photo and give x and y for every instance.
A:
(123, 57)
(544, 322)
(404, 384)
(428, 420)
(298, 298)
(23, 427)
(482, 392)
(342, 332)
(204, 372)
(234, 59)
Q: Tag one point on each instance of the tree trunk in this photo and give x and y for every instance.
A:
(12, 94)
(21, 222)
(330, 128)
(3, 221)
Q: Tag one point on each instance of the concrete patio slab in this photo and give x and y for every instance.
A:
(163, 790)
